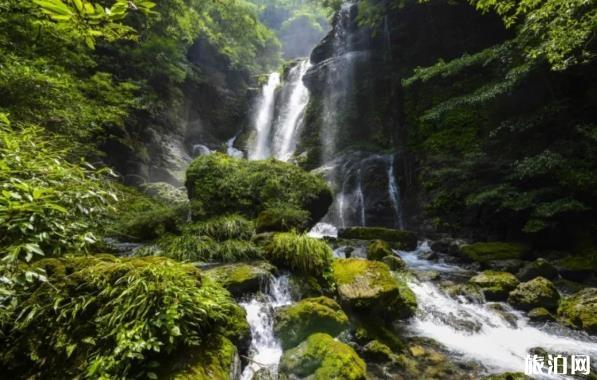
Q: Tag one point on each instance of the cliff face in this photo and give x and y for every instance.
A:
(209, 108)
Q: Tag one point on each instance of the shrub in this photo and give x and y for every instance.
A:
(299, 253)
(48, 205)
(282, 219)
(220, 184)
(224, 227)
(108, 317)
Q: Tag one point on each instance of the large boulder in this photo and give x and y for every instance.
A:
(369, 286)
(485, 252)
(400, 239)
(577, 268)
(539, 292)
(379, 249)
(580, 310)
(537, 268)
(495, 285)
(242, 278)
(296, 322)
(220, 184)
(322, 357)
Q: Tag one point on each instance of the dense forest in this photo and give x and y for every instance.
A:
(298, 189)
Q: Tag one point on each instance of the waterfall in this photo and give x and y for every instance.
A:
(263, 118)
(361, 199)
(295, 97)
(231, 150)
(265, 350)
(394, 194)
(201, 150)
(478, 331)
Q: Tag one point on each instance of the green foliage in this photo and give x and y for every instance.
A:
(282, 219)
(219, 184)
(223, 227)
(104, 317)
(496, 250)
(300, 253)
(48, 205)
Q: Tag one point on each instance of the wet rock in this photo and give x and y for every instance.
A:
(447, 245)
(428, 275)
(580, 310)
(264, 374)
(394, 262)
(470, 292)
(322, 357)
(539, 292)
(302, 286)
(540, 314)
(504, 313)
(379, 249)
(493, 251)
(495, 285)
(576, 268)
(296, 322)
(369, 286)
(511, 266)
(378, 352)
(400, 239)
(537, 268)
(508, 376)
(242, 278)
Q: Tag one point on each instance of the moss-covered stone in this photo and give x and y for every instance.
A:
(485, 252)
(219, 184)
(378, 249)
(495, 285)
(577, 268)
(282, 219)
(394, 262)
(404, 240)
(320, 357)
(165, 192)
(242, 278)
(216, 359)
(376, 351)
(470, 292)
(296, 322)
(540, 314)
(580, 310)
(539, 292)
(370, 286)
(537, 268)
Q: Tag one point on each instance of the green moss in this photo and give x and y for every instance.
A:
(508, 376)
(296, 322)
(220, 184)
(379, 249)
(485, 252)
(580, 310)
(282, 219)
(369, 286)
(577, 268)
(241, 278)
(394, 262)
(111, 317)
(213, 360)
(165, 193)
(539, 292)
(321, 357)
(223, 227)
(540, 314)
(404, 240)
(495, 285)
(299, 253)
(379, 352)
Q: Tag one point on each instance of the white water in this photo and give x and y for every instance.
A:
(263, 118)
(231, 150)
(265, 350)
(291, 114)
(321, 230)
(201, 150)
(497, 344)
(394, 194)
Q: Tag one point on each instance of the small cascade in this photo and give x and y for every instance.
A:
(394, 194)
(201, 150)
(479, 332)
(294, 98)
(231, 150)
(264, 115)
(361, 199)
(265, 350)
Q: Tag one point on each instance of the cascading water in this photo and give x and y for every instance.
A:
(394, 193)
(294, 97)
(231, 150)
(263, 118)
(265, 350)
(478, 331)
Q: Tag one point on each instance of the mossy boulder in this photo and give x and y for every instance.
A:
(491, 251)
(242, 278)
(217, 358)
(470, 292)
(540, 314)
(321, 357)
(400, 239)
(219, 184)
(165, 192)
(282, 219)
(537, 268)
(577, 268)
(394, 262)
(296, 322)
(369, 286)
(580, 310)
(539, 292)
(378, 352)
(378, 249)
(495, 285)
